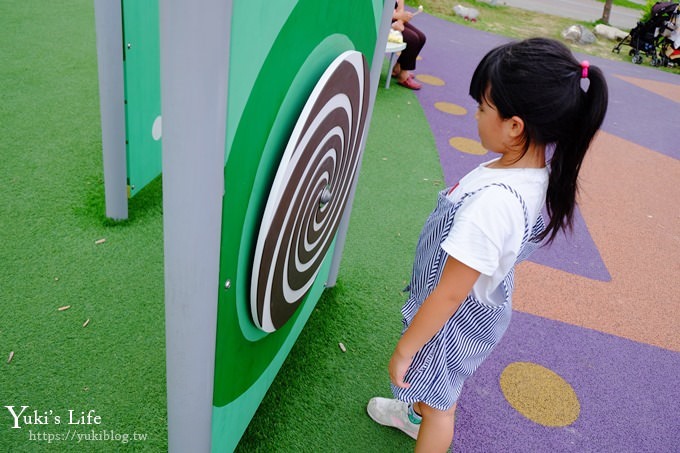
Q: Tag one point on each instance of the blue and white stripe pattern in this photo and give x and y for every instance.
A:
(454, 353)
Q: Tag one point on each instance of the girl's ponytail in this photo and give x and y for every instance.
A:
(570, 149)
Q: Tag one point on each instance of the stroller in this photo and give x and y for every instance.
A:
(651, 38)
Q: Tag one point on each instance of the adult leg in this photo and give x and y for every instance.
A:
(415, 40)
(396, 70)
(436, 429)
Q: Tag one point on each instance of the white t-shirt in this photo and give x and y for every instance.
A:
(489, 226)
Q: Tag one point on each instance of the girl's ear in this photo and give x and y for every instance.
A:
(516, 127)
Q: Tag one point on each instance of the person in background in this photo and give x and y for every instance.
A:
(414, 39)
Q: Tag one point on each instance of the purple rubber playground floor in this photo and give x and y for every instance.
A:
(598, 309)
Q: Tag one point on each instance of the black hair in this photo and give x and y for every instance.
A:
(539, 81)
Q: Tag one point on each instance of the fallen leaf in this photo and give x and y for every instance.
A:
(65, 307)
(100, 241)
(11, 356)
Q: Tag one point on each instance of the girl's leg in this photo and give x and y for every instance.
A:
(436, 429)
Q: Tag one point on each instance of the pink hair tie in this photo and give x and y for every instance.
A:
(584, 69)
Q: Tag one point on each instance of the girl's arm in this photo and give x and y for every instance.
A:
(454, 286)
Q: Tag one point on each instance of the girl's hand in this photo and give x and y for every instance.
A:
(398, 366)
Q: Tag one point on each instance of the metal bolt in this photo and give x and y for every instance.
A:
(129, 46)
(227, 284)
(326, 196)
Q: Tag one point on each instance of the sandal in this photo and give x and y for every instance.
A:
(410, 83)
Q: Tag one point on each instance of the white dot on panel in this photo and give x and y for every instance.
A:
(157, 128)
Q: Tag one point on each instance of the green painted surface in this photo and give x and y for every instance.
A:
(253, 32)
(141, 47)
(254, 159)
(281, 65)
(230, 421)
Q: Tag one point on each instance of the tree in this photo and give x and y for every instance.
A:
(607, 11)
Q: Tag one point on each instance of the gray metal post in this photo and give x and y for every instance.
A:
(376, 68)
(109, 28)
(194, 70)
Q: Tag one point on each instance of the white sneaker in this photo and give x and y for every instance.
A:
(394, 413)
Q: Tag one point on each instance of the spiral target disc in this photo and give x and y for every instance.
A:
(309, 192)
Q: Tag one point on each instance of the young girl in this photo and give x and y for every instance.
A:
(534, 98)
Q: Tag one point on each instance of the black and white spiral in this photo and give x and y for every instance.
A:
(310, 191)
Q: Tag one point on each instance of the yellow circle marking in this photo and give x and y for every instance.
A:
(448, 107)
(540, 394)
(430, 80)
(467, 145)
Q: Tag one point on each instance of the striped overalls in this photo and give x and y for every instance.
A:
(439, 369)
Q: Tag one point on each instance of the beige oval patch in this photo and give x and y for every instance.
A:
(451, 108)
(540, 394)
(430, 80)
(467, 145)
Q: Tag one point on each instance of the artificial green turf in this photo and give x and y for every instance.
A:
(52, 213)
